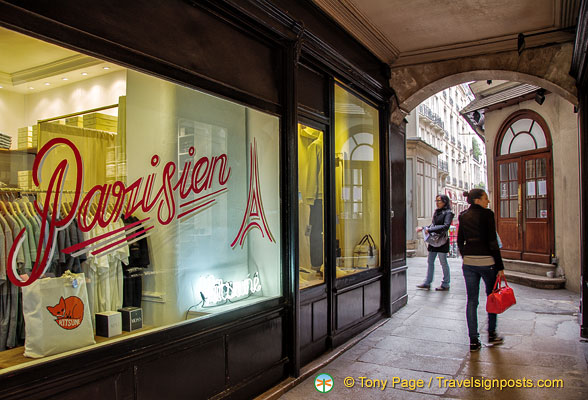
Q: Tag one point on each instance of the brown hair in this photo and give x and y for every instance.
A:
(474, 194)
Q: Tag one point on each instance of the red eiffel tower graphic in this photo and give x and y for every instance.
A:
(254, 213)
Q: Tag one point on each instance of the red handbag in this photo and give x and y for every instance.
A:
(501, 298)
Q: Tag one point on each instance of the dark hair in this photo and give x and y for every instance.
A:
(445, 199)
(474, 194)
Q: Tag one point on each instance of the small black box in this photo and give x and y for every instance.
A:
(132, 318)
(108, 323)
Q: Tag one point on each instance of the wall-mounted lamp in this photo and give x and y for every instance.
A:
(540, 96)
(476, 116)
(520, 43)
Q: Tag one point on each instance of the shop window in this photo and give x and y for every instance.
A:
(155, 203)
(357, 183)
(310, 206)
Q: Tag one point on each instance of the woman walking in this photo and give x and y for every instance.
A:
(441, 222)
(478, 245)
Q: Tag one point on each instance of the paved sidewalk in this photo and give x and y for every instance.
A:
(427, 339)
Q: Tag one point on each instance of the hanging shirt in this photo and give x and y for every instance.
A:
(32, 252)
(314, 171)
(22, 255)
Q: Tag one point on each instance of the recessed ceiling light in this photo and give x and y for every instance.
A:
(1, 87)
(105, 67)
(47, 84)
(31, 87)
(64, 79)
(84, 73)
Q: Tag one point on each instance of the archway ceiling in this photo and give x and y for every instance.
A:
(411, 32)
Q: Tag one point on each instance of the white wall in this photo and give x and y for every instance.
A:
(79, 96)
(12, 114)
(563, 126)
(19, 110)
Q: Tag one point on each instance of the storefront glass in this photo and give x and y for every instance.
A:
(357, 183)
(310, 209)
(121, 191)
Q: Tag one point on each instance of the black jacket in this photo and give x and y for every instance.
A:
(441, 222)
(477, 234)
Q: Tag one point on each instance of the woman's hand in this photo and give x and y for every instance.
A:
(501, 273)
(418, 229)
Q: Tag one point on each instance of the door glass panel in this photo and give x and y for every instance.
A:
(542, 208)
(522, 125)
(310, 206)
(541, 167)
(522, 142)
(530, 167)
(541, 188)
(503, 172)
(504, 190)
(514, 204)
(539, 135)
(513, 189)
(530, 189)
(357, 136)
(513, 171)
(504, 209)
(506, 142)
(531, 209)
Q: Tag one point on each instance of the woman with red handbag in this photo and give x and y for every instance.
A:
(478, 245)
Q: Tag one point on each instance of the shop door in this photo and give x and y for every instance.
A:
(524, 216)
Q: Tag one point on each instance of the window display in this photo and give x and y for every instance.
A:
(310, 209)
(139, 202)
(357, 183)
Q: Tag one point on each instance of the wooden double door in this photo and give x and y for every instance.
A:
(524, 209)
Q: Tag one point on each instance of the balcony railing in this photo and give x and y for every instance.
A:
(433, 117)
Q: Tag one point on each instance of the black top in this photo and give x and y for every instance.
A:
(477, 234)
(441, 222)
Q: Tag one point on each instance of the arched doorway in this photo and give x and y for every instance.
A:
(524, 181)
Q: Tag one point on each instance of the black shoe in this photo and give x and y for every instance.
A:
(442, 288)
(475, 345)
(424, 286)
(494, 339)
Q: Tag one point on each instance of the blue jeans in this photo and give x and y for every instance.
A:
(431, 270)
(472, 275)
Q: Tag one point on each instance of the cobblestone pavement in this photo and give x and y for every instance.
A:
(427, 340)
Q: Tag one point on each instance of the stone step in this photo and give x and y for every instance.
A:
(536, 281)
(528, 267)
(410, 253)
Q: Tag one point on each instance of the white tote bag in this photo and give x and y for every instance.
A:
(57, 316)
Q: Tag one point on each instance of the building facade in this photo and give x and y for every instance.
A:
(250, 162)
(534, 173)
(444, 156)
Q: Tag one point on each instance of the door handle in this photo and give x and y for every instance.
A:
(520, 211)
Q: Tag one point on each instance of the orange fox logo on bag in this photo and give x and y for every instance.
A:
(69, 312)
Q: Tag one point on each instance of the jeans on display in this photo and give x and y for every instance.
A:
(472, 275)
(431, 270)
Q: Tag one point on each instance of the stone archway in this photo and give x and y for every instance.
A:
(546, 66)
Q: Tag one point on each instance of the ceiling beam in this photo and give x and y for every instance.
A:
(354, 21)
